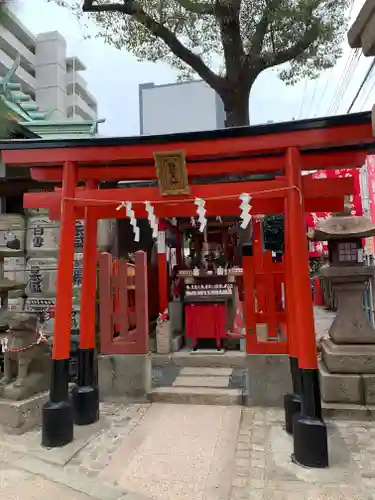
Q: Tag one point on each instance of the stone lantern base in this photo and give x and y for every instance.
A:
(347, 364)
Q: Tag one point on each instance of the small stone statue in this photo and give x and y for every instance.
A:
(26, 359)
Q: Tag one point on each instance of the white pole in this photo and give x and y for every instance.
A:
(74, 87)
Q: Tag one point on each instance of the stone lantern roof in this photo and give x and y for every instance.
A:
(361, 35)
(342, 228)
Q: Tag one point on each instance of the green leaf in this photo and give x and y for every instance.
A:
(226, 43)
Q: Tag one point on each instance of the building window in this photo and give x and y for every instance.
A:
(348, 252)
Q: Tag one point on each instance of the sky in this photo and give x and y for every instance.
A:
(113, 77)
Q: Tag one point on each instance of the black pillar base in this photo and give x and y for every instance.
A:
(292, 401)
(292, 406)
(86, 394)
(57, 413)
(57, 424)
(86, 404)
(310, 442)
(309, 430)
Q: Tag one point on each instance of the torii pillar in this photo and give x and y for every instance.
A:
(309, 430)
(57, 413)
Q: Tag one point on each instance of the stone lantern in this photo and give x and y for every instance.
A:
(347, 365)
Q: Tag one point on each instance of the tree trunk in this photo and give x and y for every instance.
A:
(236, 106)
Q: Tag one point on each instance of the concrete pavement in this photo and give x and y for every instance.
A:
(187, 452)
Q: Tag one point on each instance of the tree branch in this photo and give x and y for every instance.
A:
(263, 26)
(198, 7)
(309, 37)
(133, 9)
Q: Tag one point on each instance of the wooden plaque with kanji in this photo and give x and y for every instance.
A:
(172, 173)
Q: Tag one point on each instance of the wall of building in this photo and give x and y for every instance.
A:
(179, 107)
(51, 78)
(50, 70)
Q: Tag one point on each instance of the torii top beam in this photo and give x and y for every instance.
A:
(332, 142)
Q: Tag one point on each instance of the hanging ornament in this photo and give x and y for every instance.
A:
(314, 218)
(192, 221)
(122, 205)
(152, 219)
(218, 218)
(201, 212)
(133, 221)
(245, 208)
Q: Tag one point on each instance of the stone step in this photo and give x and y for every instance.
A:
(197, 395)
(201, 371)
(185, 358)
(344, 411)
(200, 381)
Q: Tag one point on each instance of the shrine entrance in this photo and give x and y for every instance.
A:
(283, 152)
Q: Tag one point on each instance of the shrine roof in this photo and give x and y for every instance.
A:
(353, 119)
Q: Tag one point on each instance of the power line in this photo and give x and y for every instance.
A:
(372, 66)
(303, 99)
(348, 75)
(324, 89)
(343, 73)
(312, 98)
(368, 94)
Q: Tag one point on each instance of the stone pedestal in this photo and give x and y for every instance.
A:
(163, 337)
(176, 308)
(347, 365)
(18, 417)
(176, 316)
(124, 376)
(267, 380)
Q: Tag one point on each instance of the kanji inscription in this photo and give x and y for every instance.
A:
(172, 173)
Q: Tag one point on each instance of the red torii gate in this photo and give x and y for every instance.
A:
(284, 149)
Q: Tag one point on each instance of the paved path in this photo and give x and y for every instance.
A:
(187, 452)
(29, 472)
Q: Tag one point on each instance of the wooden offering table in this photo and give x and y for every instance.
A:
(207, 297)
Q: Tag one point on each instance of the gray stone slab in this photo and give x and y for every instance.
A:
(267, 380)
(30, 443)
(197, 371)
(201, 381)
(124, 375)
(369, 389)
(351, 358)
(77, 482)
(176, 342)
(229, 359)
(17, 417)
(348, 411)
(197, 395)
(340, 388)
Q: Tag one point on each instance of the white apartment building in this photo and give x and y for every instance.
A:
(46, 73)
(179, 107)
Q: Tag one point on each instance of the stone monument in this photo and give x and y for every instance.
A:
(26, 360)
(163, 333)
(347, 364)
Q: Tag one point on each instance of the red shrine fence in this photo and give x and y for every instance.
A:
(123, 305)
(264, 305)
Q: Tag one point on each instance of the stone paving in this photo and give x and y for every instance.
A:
(29, 472)
(264, 471)
(187, 452)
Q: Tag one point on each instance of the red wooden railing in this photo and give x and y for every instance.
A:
(115, 287)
